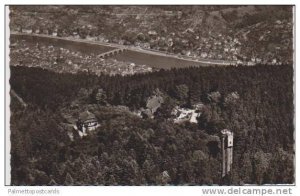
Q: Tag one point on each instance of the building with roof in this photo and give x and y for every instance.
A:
(185, 114)
(154, 102)
(87, 121)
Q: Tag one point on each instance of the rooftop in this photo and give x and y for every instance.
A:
(86, 115)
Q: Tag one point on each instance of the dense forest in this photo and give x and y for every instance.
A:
(128, 150)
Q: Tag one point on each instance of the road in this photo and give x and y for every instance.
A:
(135, 49)
(14, 94)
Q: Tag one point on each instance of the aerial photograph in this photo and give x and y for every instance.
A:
(151, 95)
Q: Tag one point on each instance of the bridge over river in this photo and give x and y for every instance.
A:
(122, 53)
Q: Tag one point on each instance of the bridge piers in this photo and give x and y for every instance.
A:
(111, 53)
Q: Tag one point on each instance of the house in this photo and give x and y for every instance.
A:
(87, 121)
(154, 102)
(185, 114)
(194, 117)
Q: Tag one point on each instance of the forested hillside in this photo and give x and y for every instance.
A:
(128, 150)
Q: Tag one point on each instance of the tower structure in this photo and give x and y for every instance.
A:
(227, 150)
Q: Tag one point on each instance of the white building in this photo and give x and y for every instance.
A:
(185, 114)
(86, 122)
